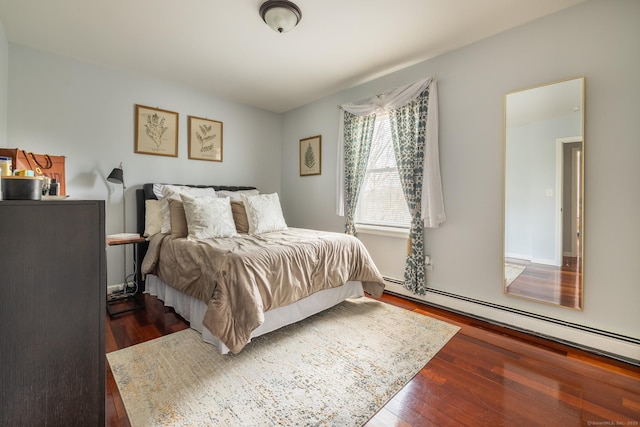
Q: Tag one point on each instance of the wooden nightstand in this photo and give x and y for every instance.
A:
(129, 298)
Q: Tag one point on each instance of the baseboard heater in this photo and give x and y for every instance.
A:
(576, 326)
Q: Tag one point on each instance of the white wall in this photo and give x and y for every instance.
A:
(597, 39)
(86, 113)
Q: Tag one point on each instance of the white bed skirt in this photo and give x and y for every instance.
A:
(192, 309)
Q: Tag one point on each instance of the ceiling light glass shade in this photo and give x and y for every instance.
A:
(281, 16)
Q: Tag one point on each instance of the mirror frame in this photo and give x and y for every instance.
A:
(582, 195)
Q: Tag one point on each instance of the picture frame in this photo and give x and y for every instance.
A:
(156, 131)
(205, 139)
(311, 156)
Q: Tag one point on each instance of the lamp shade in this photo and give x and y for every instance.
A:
(116, 176)
(280, 15)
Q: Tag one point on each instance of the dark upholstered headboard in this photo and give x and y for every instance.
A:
(146, 193)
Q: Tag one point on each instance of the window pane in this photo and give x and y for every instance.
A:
(381, 199)
(381, 155)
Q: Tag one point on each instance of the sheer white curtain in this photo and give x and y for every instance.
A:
(433, 213)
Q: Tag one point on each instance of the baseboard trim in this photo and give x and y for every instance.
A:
(593, 340)
(111, 289)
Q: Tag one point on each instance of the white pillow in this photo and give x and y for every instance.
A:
(160, 189)
(169, 192)
(166, 215)
(208, 217)
(157, 190)
(200, 191)
(152, 217)
(236, 195)
(264, 213)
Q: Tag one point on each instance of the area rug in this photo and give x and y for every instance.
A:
(511, 272)
(337, 368)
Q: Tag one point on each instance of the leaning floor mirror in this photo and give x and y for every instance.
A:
(544, 193)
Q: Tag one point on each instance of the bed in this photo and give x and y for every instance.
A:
(248, 278)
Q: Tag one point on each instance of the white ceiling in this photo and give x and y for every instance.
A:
(223, 47)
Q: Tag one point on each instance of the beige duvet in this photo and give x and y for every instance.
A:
(242, 277)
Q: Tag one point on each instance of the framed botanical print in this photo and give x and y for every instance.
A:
(311, 156)
(205, 139)
(156, 131)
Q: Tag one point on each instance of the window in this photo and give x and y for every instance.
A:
(381, 201)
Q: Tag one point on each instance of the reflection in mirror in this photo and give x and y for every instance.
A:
(544, 177)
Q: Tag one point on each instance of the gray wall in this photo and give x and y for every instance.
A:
(597, 39)
(86, 113)
(4, 76)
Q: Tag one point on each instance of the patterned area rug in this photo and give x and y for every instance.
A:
(511, 272)
(337, 368)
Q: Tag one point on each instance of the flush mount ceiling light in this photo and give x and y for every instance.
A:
(280, 15)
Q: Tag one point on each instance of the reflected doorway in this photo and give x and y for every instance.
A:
(559, 283)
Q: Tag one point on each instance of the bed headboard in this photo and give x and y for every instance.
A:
(146, 193)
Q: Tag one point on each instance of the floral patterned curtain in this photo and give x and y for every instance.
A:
(408, 132)
(358, 133)
(413, 113)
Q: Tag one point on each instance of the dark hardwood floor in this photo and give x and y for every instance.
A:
(550, 284)
(485, 376)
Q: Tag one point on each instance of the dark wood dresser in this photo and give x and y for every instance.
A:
(52, 313)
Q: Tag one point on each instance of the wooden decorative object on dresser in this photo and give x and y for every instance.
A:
(52, 297)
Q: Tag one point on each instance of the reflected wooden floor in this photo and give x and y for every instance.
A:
(484, 376)
(547, 283)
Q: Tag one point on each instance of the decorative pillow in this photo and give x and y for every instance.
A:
(167, 193)
(178, 219)
(152, 218)
(157, 190)
(208, 217)
(164, 211)
(201, 191)
(236, 195)
(240, 216)
(264, 213)
(160, 189)
(173, 192)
